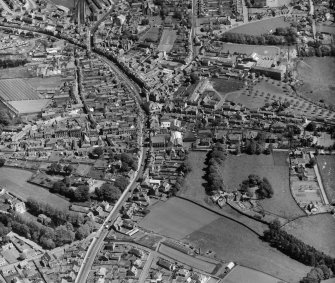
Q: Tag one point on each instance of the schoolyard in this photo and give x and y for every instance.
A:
(233, 242)
(275, 168)
(262, 27)
(15, 181)
(317, 231)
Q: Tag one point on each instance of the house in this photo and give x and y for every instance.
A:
(48, 260)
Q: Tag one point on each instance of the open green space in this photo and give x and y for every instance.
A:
(233, 242)
(176, 218)
(317, 75)
(326, 164)
(15, 181)
(241, 274)
(224, 86)
(194, 189)
(262, 27)
(51, 82)
(263, 50)
(275, 169)
(167, 40)
(17, 72)
(317, 231)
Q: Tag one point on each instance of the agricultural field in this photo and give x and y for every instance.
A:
(233, 242)
(317, 231)
(268, 90)
(263, 50)
(15, 181)
(225, 86)
(326, 164)
(317, 75)
(181, 218)
(262, 27)
(275, 168)
(167, 40)
(17, 89)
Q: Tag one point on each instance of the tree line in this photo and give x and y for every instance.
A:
(11, 63)
(264, 190)
(298, 250)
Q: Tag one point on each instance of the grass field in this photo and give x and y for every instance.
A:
(243, 274)
(261, 27)
(326, 165)
(317, 231)
(51, 82)
(273, 167)
(194, 189)
(17, 72)
(30, 106)
(167, 40)
(224, 86)
(152, 35)
(180, 218)
(233, 242)
(248, 49)
(15, 181)
(317, 75)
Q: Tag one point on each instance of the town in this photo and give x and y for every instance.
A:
(167, 141)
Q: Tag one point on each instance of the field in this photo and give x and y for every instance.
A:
(167, 40)
(224, 86)
(268, 90)
(45, 82)
(17, 89)
(17, 72)
(233, 242)
(180, 218)
(249, 49)
(326, 164)
(275, 169)
(317, 75)
(14, 180)
(243, 274)
(30, 106)
(262, 27)
(194, 189)
(152, 35)
(317, 231)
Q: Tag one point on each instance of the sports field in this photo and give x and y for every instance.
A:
(15, 181)
(326, 164)
(176, 218)
(317, 231)
(261, 27)
(233, 242)
(167, 40)
(30, 106)
(249, 49)
(275, 169)
(317, 75)
(17, 89)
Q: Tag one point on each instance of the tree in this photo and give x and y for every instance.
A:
(68, 169)
(81, 194)
(4, 117)
(121, 182)
(311, 127)
(2, 162)
(47, 243)
(63, 236)
(97, 152)
(108, 192)
(82, 232)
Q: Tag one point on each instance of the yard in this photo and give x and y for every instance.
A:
(262, 27)
(317, 75)
(275, 169)
(233, 242)
(317, 231)
(326, 164)
(167, 40)
(15, 181)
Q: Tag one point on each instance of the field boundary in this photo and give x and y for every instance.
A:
(222, 215)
